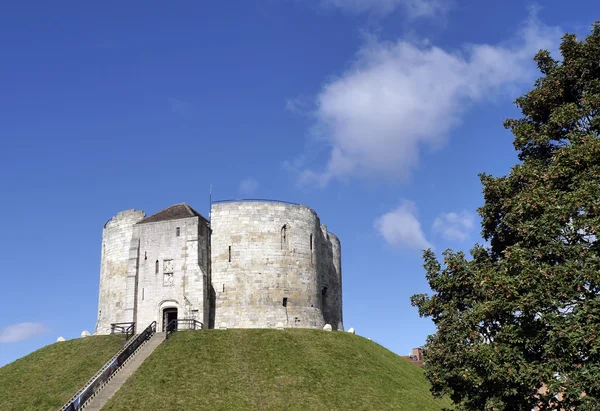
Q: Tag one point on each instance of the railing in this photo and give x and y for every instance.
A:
(114, 364)
(182, 325)
(123, 328)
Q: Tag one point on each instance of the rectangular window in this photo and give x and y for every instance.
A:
(177, 232)
(229, 253)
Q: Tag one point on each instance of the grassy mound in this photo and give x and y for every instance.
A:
(49, 377)
(274, 370)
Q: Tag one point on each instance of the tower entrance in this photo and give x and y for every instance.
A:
(169, 314)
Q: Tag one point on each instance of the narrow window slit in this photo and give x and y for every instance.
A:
(284, 236)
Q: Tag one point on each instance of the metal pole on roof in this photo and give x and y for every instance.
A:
(210, 203)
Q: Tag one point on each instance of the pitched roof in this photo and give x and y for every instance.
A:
(174, 212)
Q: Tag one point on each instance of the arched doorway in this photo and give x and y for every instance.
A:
(168, 315)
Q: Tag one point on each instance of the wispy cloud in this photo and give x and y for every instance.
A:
(298, 105)
(22, 331)
(295, 165)
(454, 226)
(400, 97)
(401, 227)
(248, 186)
(412, 8)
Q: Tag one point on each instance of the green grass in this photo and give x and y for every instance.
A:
(274, 370)
(49, 377)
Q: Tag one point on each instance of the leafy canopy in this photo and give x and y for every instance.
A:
(524, 312)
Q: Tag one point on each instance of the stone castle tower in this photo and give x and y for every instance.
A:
(255, 264)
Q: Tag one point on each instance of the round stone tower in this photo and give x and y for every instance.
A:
(114, 302)
(273, 264)
(332, 271)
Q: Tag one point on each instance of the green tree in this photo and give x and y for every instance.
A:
(524, 312)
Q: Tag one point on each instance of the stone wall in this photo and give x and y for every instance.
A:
(114, 265)
(173, 269)
(330, 270)
(257, 265)
(270, 264)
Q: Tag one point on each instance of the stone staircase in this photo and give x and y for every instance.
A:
(106, 393)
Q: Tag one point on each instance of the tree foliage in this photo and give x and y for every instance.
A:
(524, 312)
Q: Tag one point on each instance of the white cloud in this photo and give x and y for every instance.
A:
(400, 97)
(248, 186)
(22, 331)
(454, 226)
(400, 227)
(413, 8)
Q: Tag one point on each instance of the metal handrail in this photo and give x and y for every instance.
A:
(171, 328)
(249, 200)
(123, 328)
(192, 325)
(113, 365)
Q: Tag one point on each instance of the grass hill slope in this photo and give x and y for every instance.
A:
(274, 370)
(49, 377)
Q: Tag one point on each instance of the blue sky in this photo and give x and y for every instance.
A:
(379, 114)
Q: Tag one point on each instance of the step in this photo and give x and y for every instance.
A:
(109, 390)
